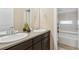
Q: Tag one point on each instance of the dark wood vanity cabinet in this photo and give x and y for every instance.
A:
(41, 42)
(22, 46)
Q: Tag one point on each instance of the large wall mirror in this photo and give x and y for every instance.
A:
(27, 16)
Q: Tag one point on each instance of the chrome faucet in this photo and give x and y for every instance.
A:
(10, 30)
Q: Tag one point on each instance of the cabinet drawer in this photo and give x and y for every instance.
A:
(21, 46)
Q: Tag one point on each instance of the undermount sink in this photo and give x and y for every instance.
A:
(39, 30)
(12, 38)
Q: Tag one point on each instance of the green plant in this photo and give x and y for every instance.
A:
(26, 28)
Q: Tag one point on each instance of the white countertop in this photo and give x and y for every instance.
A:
(4, 46)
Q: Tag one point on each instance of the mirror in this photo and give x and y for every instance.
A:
(32, 16)
(27, 16)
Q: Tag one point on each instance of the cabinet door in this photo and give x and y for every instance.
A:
(21, 46)
(37, 46)
(45, 43)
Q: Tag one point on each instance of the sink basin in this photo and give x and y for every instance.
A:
(14, 37)
(39, 30)
(2, 33)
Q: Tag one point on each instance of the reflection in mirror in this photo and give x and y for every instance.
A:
(27, 16)
(32, 17)
(27, 23)
(6, 20)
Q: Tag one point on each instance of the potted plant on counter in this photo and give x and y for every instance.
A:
(26, 28)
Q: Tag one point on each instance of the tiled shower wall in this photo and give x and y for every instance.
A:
(68, 32)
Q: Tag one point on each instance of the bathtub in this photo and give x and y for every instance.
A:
(68, 38)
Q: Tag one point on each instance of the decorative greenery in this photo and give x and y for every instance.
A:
(26, 28)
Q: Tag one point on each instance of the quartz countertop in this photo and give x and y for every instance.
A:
(31, 35)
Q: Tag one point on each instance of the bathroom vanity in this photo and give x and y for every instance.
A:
(34, 41)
